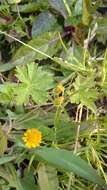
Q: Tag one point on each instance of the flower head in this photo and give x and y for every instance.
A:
(59, 101)
(32, 138)
(59, 89)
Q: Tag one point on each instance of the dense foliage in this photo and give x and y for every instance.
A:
(53, 94)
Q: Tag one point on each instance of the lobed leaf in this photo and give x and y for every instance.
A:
(34, 82)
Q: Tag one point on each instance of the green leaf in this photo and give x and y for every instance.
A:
(72, 21)
(104, 74)
(9, 173)
(84, 92)
(90, 104)
(3, 141)
(6, 159)
(6, 93)
(104, 68)
(28, 181)
(105, 121)
(76, 56)
(102, 25)
(69, 66)
(47, 43)
(31, 7)
(86, 18)
(69, 162)
(44, 22)
(59, 6)
(78, 7)
(101, 31)
(22, 60)
(47, 177)
(34, 82)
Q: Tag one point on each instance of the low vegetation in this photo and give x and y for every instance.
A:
(53, 95)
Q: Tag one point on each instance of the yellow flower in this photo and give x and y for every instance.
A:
(59, 89)
(59, 100)
(32, 138)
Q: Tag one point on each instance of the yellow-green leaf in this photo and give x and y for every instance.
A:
(47, 177)
(86, 18)
(3, 142)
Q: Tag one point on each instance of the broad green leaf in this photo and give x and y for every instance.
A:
(28, 181)
(6, 159)
(35, 82)
(66, 132)
(42, 123)
(101, 31)
(22, 60)
(86, 18)
(102, 25)
(3, 141)
(67, 161)
(47, 43)
(47, 177)
(44, 22)
(59, 6)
